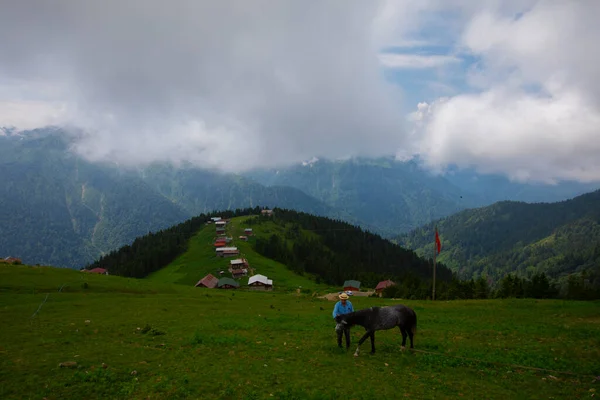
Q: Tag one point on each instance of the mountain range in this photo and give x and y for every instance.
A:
(556, 239)
(58, 208)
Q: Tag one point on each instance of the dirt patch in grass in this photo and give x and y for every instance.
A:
(334, 296)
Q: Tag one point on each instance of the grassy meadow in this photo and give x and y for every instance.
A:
(143, 339)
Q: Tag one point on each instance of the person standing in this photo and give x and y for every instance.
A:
(344, 306)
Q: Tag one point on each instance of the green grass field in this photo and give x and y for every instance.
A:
(200, 259)
(161, 341)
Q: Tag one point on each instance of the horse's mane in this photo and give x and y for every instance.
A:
(359, 317)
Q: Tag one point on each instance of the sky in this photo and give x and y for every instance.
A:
(507, 87)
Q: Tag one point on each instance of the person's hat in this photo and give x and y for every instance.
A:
(343, 296)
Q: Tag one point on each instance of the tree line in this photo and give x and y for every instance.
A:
(153, 251)
(537, 286)
(336, 251)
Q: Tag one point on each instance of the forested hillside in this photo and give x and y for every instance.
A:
(332, 250)
(57, 209)
(336, 250)
(153, 251)
(555, 238)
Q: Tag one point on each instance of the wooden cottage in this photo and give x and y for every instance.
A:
(227, 251)
(100, 271)
(209, 281)
(260, 282)
(11, 260)
(244, 238)
(352, 285)
(248, 231)
(227, 283)
(266, 213)
(238, 267)
(382, 285)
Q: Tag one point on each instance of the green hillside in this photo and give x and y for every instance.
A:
(124, 338)
(292, 248)
(557, 239)
(200, 259)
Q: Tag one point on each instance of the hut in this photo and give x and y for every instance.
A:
(260, 282)
(352, 285)
(209, 281)
(227, 283)
(227, 251)
(382, 285)
(101, 271)
(11, 260)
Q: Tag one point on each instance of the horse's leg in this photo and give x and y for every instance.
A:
(347, 334)
(403, 330)
(362, 339)
(410, 335)
(339, 338)
(372, 342)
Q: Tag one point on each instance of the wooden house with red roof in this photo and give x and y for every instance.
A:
(11, 260)
(382, 285)
(209, 281)
(101, 271)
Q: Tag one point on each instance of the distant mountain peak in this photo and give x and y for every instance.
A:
(309, 162)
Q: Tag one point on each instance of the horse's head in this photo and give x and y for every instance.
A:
(341, 323)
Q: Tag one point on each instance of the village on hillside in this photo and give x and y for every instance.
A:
(238, 267)
(235, 267)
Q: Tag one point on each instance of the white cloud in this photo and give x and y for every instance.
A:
(535, 114)
(236, 84)
(416, 61)
(230, 84)
(31, 114)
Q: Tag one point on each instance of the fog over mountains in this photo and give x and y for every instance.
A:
(59, 208)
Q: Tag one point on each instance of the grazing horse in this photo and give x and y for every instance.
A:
(380, 318)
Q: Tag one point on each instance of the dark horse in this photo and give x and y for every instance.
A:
(377, 319)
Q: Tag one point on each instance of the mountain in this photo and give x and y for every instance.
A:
(198, 191)
(58, 209)
(491, 188)
(390, 197)
(557, 239)
(393, 197)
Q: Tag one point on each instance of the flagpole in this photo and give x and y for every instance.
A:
(434, 263)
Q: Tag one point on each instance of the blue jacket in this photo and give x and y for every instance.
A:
(340, 309)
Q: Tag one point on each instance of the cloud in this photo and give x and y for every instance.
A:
(239, 84)
(416, 61)
(532, 111)
(31, 114)
(230, 84)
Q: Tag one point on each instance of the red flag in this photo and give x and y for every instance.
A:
(438, 244)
